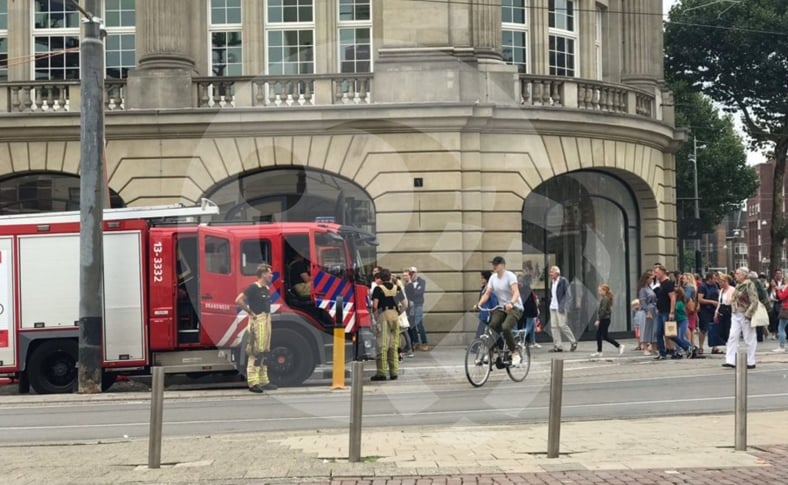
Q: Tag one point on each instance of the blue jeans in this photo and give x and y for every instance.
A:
(781, 332)
(660, 333)
(681, 339)
(416, 330)
(530, 330)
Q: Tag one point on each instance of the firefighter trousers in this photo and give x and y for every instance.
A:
(387, 360)
(259, 341)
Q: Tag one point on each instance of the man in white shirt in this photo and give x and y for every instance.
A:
(559, 303)
(503, 284)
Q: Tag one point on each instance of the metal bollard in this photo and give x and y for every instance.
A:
(156, 415)
(554, 419)
(356, 395)
(741, 400)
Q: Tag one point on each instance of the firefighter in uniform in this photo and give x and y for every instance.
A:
(387, 298)
(256, 301)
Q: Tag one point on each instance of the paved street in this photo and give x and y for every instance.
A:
(626, 420)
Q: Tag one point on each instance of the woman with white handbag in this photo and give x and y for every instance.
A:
(744, 305)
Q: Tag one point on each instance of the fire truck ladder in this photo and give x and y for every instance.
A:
(206, 208)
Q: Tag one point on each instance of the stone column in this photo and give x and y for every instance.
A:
(422, 62)
(538, 48)
(486, 28)
(165, 38)
(642, 39)
(19, 40)
(586, 25)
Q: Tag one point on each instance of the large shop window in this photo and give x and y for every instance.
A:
(586, 223)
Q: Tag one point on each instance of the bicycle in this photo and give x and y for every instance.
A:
(484, 352)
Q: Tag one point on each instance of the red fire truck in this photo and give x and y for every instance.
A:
(170, 283)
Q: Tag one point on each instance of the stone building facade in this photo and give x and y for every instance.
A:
(539, 130)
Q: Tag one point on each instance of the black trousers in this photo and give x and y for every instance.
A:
(601, 334)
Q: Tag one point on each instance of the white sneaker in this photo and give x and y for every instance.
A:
(620, 350)
(537, 345)
(779, 350)
(516, 359)
(596, 354)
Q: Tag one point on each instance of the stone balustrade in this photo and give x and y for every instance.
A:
(333, 89)
(586, 95)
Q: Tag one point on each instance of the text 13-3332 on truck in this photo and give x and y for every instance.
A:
(170, 283)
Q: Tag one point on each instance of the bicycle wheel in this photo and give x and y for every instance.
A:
(518, 372)
(477, 363)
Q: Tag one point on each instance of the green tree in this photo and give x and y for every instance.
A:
(736, 52)
(724, 178)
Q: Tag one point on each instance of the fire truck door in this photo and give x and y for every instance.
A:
(218, 286)
(7, 343)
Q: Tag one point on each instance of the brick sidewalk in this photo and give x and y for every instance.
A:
(772, 471)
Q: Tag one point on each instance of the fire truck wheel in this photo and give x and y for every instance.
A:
(107, 380)
(52, 368)
(291, 360)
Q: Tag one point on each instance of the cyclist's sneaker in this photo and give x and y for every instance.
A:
(506, 359)
(620, 350)
(516, 359)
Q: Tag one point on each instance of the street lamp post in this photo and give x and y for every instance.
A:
(698, 256)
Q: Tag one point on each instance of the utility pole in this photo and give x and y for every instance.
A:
(91, 200)
(698, 259)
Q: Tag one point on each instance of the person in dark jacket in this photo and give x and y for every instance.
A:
(603, 321)
(559, 306)
(414, 289)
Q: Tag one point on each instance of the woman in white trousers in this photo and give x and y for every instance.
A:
(744, 304)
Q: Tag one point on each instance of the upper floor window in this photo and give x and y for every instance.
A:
(3, 40)
(562, 37)
(56, 40)
(290, 33)
(56, 25)
(355, 36)
(514, 43)
(120, 44)
(226, 38)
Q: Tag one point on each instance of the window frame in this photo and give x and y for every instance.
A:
(226, 28)
(269, 26)
(355, 25)
(4, 36)
(119, 31)
(260, 243)
(514, 27)
(568, 35)
(210, 264)
(75, 32)
(49, 33)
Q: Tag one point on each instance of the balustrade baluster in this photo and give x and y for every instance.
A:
(557, 97)
(28, 99)
(15, 102)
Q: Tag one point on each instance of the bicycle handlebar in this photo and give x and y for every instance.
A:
(497, 307)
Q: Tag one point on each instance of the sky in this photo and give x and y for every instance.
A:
(753, 158)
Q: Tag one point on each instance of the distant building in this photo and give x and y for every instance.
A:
(457, 130)
(759, 219)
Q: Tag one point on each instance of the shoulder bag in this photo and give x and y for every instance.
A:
(761, 317)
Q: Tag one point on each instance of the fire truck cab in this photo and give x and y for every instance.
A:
(170, 285)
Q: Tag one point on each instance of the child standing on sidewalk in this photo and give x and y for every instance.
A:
(603, 321)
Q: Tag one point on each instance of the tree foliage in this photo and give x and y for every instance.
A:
(736, 52)
(724, 179)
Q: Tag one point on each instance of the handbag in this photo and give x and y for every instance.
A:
(783, 313)
(538, 325)
(671, 328)
(403, 320)
(761, 317)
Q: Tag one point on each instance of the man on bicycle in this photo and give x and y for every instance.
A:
(503, 284)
